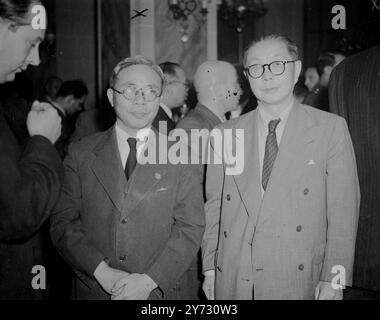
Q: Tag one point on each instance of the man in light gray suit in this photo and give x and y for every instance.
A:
(284, 228)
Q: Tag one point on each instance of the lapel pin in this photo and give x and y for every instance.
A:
(157, 176)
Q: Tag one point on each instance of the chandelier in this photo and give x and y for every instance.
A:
(238, 14)
(181, 10)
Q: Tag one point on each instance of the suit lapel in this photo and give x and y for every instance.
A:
(248, 183)
(297, 139)
(108, 168)
(145, 176)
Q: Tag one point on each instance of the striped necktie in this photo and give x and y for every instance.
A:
(271, 149)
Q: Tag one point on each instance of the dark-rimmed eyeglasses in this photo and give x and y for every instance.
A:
(277, 68)
(130, 93)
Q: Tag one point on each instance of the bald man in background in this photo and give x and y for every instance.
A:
(218, 91)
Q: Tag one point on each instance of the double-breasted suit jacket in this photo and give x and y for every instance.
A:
(151, 224)
(283, 243)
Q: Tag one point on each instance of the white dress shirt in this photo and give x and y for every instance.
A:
(265, 116)
(122, 137)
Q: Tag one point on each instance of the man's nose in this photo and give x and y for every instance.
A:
(267, 73)
(34, 57)
(139, 97)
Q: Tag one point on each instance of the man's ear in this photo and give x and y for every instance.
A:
(13, 26)
(110, 97)
(297, 70)
(69, 99)
(327, 70)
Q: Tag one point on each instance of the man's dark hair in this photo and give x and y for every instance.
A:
(169, 68)
(77, 88)
(16, 10)
(324, 60)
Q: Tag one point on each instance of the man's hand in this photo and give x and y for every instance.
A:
(44, 120)
(107, 276)
(209, 285)
(325, 291)
(135, 286)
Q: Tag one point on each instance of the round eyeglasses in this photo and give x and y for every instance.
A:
(130, 93)
(277, 68)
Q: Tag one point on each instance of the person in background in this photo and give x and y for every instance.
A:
(218, 92)
(51, 88)
(311, 78)
(174, 94)
(30, 176)
(70, 101)
(354, 92)
(319, 97)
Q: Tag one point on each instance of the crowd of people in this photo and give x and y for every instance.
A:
(74, 188)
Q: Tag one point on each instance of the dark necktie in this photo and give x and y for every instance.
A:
(271, 149)
(132, 160)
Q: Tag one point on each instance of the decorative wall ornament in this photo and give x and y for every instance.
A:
(181, 10)
(239, 14)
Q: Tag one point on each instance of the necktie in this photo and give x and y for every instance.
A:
(271, 149)
(132, 160)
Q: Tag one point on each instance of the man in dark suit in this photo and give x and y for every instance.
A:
(70, 100)
(30, 177)
(129, 230)
(355, 95)
(174, 94)
(218, 91)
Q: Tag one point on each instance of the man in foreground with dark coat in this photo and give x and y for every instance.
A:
(129, 229)
(30, 177)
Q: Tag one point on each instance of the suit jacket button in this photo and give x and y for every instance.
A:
(300, 267)
(123, 258)
(306, 191)
(228, 197)
(299, 228)
(225, 234)
(219, 269)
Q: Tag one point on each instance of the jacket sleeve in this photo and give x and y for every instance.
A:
(214, 187)
(186, 232)
(343, 198)
(66, 228)
(30, 184)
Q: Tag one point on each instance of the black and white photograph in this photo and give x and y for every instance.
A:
(193, 152)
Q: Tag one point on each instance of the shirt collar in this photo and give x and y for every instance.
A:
(55, 104)
(265, 116)
(167, 110)
(141, 136)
